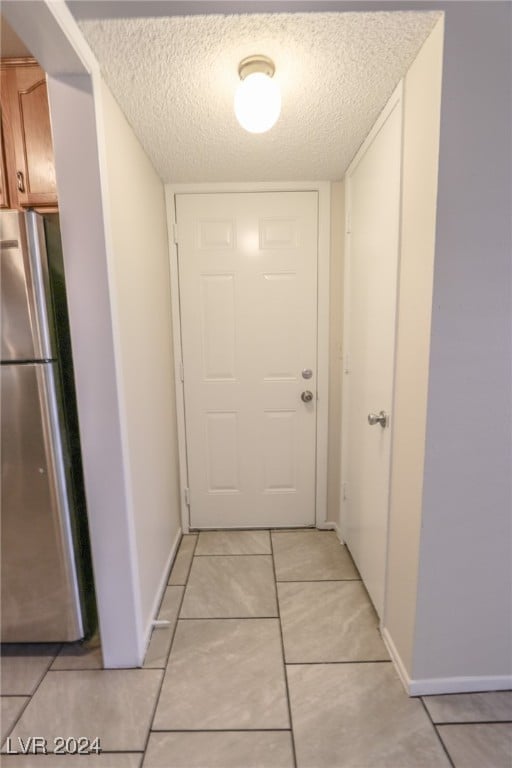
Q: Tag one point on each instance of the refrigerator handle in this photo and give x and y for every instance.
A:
(40, 280)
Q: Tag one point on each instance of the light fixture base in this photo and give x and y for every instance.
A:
(252, 64)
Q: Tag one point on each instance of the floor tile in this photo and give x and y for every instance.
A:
(10, 709)
(161, 637)
(311, 556)
(470, 707)
(105, 760)
(478, 746)
(170, 605)
(230, 586)
(23, 665)
(114, 705)
(183, 559)
(158, 648)
(229, 749)
(329, 621)
(224, 674)
(233, 543)
(359, 715)
(85, 655)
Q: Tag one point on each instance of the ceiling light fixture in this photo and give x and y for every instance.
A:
(257, 98)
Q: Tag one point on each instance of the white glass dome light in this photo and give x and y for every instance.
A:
(257, 98)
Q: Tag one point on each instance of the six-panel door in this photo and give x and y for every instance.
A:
(248, 301)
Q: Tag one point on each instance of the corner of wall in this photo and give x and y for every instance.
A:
(139, 281)
(420, 152)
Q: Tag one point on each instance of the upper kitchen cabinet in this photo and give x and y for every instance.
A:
(30, 168)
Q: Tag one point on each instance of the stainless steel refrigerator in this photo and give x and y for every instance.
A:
(46, 578)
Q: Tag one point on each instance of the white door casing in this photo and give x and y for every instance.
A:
(248, 303)
(373, 188)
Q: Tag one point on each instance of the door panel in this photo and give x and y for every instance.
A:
(248, 300)
(280, 461)
(218, 327)
(282, 345)
(223, 451)
(373, 191)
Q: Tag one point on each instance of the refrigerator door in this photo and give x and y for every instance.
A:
(26, 327)
(39, 591)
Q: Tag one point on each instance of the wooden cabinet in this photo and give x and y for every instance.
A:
(28, 149)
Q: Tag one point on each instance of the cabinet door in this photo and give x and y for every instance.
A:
(33, 179)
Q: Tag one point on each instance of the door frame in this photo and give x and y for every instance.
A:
(323, 188)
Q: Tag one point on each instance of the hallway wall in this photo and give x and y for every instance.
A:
(464, 620)
(141, 295)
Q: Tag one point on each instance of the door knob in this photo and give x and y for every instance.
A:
(378, 418)
(306, 396)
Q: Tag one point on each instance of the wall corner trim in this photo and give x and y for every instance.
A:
(397, 660)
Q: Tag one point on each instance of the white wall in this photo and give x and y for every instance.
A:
(140, 287)
(335, 340)
(464, 621)
(420, 152)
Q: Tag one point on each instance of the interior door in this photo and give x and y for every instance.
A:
(248, 302)
(373, 216)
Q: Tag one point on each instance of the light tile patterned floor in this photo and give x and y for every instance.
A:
(271, 658)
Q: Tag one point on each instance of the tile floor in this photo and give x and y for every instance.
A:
(271, 658)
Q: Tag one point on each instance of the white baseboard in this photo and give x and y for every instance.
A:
(160, 593)
(338, 534)
(396, 659)
(439, 685)
(475, 684)
(326, 526)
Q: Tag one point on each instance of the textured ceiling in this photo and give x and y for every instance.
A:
(175, 77)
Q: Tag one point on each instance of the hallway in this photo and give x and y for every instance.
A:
(268, 655)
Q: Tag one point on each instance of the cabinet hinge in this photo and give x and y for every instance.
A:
(344, 491)
(175, 232)
(348, 229)
(182, 372)
(186, 494)
(346, 363)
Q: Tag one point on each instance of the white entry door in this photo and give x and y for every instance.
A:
(373, 217)
(248, 302)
